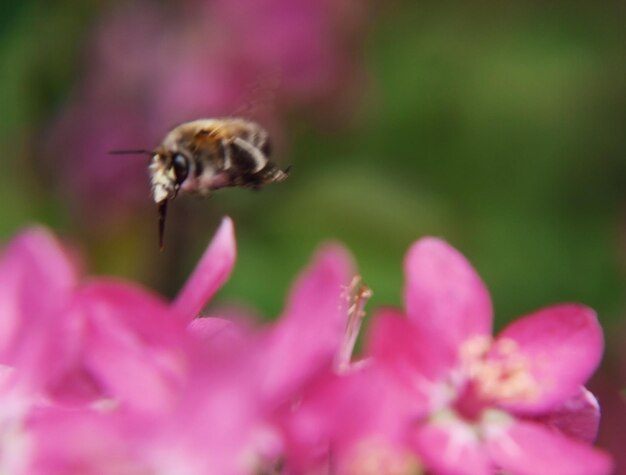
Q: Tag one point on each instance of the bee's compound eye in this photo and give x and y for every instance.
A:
(181, 168)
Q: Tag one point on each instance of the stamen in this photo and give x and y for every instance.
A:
(357, 294)
(498, 370)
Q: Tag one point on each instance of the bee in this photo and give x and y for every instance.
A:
(204, 155)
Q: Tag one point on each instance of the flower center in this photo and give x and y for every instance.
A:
(497, 371)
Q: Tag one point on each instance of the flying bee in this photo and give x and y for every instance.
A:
(207, 154)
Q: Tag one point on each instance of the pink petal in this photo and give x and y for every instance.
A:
(36, 280)
(361, 409)
(444, 296)
(213, 423)
(132, 347)
(206, 328)
(210, 274)
(396, 343)
(81, 441)
(219, 336)
(130, 308)
(451, 448)
(35, 277)
(578, 417)
(562, 346)
(527, 448)
(39, 252)
(308, 335)
(74, 387)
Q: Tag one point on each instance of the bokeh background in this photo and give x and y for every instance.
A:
(500, 126)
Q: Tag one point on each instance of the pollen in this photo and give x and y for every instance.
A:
(498, 370)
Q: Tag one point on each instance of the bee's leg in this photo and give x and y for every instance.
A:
(257, 157)
(272, 174)
(162, 210)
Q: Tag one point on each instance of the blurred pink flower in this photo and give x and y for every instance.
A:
(482, 393)
(102, 338)
(133, 384)
(226, 419)
(305, 43)
(353, 423)
(84, 364)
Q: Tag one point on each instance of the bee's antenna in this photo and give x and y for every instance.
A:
(162, 208)
(131, 152)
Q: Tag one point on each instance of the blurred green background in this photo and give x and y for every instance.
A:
(499, 126)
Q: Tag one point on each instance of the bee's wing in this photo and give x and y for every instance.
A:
(259, 96)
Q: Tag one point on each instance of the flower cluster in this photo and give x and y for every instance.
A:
(103, 377)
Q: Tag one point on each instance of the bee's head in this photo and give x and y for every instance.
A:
(167, 172)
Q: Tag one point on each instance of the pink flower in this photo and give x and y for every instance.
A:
(86, 364)
(82, 342)
(353, 423)
(117, 380)
(352, 419)
(239, 392)
(484, 395)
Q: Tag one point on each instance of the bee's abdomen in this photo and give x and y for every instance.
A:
(242, 160)
(266, 147)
